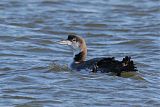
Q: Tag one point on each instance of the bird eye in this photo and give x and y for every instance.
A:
(74, 40)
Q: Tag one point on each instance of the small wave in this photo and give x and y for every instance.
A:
(129, 42)
(39, 49)
(58, 67)
(95, 25)
(6, 69)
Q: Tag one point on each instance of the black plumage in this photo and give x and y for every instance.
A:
(107, 65)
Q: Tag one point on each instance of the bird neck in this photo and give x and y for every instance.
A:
(81, 55)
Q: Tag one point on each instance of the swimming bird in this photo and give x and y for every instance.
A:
(102, 64)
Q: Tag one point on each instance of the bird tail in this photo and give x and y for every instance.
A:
(128, 64)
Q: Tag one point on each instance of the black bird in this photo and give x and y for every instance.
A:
(103, 64)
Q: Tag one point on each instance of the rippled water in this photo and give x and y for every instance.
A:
(29, 29)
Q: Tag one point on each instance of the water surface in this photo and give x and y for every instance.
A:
(29, 29)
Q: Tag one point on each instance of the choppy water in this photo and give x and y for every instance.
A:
(29, 29)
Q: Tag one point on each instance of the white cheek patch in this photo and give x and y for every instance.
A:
(76, 48)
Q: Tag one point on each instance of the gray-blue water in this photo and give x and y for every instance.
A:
(29, 29)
